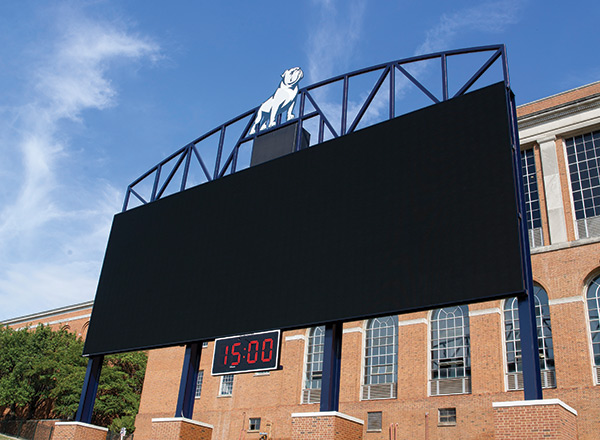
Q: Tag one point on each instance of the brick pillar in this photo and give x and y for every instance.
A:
(329, 425)
(78, 431)
(546, 419)
(180, 428)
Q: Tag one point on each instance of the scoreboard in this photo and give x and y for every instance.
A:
(245, 353)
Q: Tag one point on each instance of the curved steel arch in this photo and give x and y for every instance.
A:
(162, 175)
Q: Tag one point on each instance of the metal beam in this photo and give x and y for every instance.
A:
(332, 356)
(532, 382)
(189, 377)
(89, 390)
(401, 65)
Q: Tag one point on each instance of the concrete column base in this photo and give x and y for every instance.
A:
(78, 431)
(330, 425)
(179, 428)
(535, 419)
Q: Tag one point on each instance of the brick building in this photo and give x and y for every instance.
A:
(74, 318)
(436, 374)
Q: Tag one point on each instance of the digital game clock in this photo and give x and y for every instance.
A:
(244, 353)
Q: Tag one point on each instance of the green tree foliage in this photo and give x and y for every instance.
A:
(42, 372)
(31, 364)
(119, 390)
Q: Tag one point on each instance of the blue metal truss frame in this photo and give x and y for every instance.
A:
(184, 156)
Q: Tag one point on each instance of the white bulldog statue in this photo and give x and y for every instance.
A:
(282, 100)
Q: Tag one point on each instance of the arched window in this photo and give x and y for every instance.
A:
(381, 358)
(593, 306)
(450, 351)
(311, 391)
(84, 329)
(512, 336)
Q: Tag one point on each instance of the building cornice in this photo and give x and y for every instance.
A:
(49, 313)
(565, 245)
(559, 111)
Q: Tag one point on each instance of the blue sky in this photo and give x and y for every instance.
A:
(94, 93)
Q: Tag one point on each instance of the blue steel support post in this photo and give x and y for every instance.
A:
(189, 377)
(89, 390)
(332, 356)
(532, 381)
(444, 77)
(530, 357)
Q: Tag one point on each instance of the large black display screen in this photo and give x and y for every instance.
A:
(416, 212)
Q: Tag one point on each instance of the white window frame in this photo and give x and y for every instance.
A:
(446, 422)
(586, 220)
(441, 386)
(199, 381)
(311, 395)
(380, 390)
(594, 281)
(532, 233)
(256, 428)
(222, 385)
(548, 373)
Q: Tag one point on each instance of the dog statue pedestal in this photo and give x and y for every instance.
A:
(277, 143)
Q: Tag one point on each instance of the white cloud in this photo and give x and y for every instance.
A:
(488, 17)
(334, 37)
(332, 41)
(30, 288)
(53, 234)
(76, 79)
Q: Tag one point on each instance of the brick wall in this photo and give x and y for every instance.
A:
(78, 431)
(535, 422)
(161, 388)
(180, 429)
(325, 427)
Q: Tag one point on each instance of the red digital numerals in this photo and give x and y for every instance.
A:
(235, 353)
(246, 353)
(262, 356)
(254, 349)
(251, 359)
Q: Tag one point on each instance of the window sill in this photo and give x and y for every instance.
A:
(225, 395)
(445, 425)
